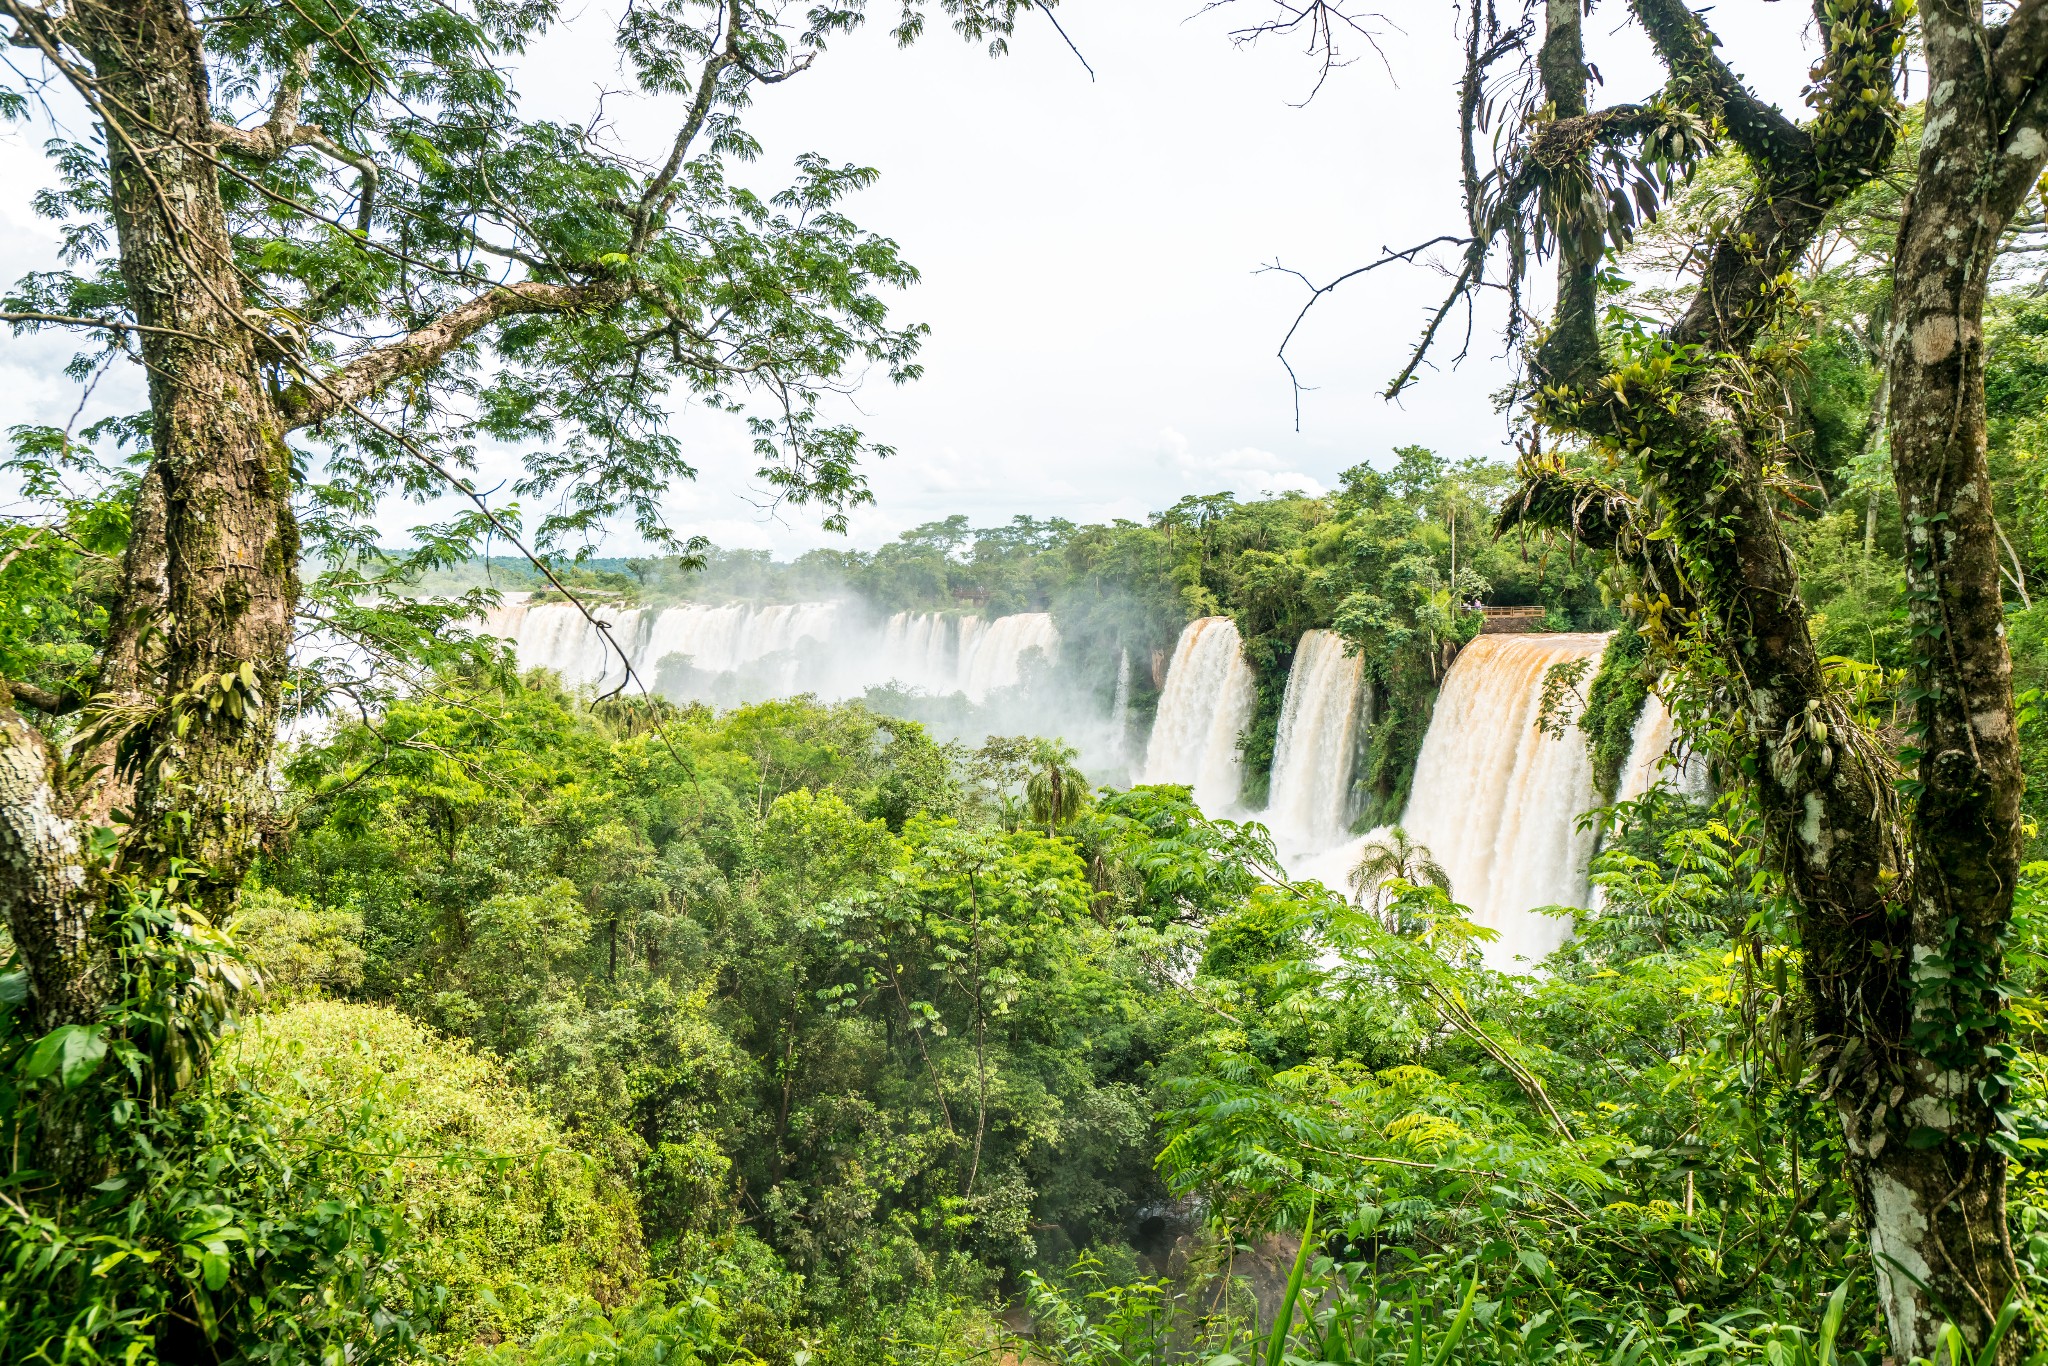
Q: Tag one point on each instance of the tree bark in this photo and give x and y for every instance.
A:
(232, 546)
(1902, 906)
(1927, 1172)
(185, 731)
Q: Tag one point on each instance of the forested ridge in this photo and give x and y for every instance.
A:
(367, 998)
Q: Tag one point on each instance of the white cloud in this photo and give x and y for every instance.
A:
(1247, 471)
(1102, 340)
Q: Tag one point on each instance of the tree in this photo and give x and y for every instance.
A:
(345, 260)
(1664, 444)
(1055, 790)
(1392, 854)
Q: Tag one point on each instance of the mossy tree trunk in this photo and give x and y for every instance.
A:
(1903, 878)
(172, 768)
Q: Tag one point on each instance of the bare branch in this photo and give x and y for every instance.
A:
(1466, 279)
(1319, 22)
(104, 324)
(1060, 29)
(1316, 293)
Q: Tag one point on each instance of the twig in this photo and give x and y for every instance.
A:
(1316, 292)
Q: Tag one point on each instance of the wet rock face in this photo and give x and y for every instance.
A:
(1164, 1236)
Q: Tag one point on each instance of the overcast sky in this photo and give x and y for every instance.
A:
(1102, 337)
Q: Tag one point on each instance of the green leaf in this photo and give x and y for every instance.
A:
(71, 1052)
(1460, 1323)
(2013, 1303)
(1284, 1319)
(13, 989)
(1831, 1323)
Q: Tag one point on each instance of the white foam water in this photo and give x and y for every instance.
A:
(1203, 709)
(1312, 751)
(748, 652)
(1497, 801)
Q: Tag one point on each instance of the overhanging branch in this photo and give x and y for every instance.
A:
(305, 404)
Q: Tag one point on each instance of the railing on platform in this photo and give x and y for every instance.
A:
(1500, 620)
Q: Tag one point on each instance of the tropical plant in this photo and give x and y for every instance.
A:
(1389, 856)
(1056, 790)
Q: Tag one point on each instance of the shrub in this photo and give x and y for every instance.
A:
(511, 1227)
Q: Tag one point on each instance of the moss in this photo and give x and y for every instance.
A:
(516, 1225)
(1613, 703)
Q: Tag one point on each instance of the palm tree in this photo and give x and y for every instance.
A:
(1056, 791)
(1391, 854)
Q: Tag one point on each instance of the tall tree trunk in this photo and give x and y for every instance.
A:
(232, 566)
(212, 564)
(1902, 908)
(1932, 1183)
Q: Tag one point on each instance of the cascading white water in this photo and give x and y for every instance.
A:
(745, 652)
(1207, 700)
(1312, 751)
(1120, 707)
(919, 651)
(997, 657)
(560, 638)
(715, 640)
(1497, 801)
(1648, 744)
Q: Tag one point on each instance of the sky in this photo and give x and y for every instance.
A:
(1091, 248)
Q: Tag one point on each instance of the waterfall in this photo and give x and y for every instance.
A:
(1120, 707)
(1497, 801)
(745, 652)
(1207, 700)
(723, 640)
(1312, 753)
(998, 653)
(918, 651)
(1649, 743)
(556, 636)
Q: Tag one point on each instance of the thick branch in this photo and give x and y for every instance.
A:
(654, 199)
(1570, 354)
(43, 881)
(42, 699)
(316, 399)
(2021, 153)
(2019, 49)
(283, 131)
(1775, 145)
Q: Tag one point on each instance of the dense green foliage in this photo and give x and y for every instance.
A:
(786, 966)
(561, 1030)
(660, 1034)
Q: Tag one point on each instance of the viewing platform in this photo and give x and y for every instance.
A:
(1506, 620)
